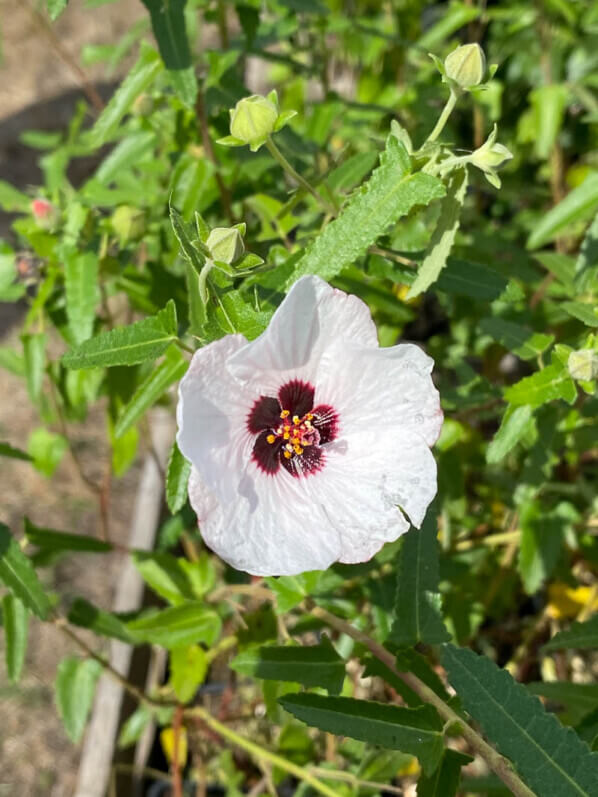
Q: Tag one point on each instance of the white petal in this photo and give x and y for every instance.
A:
(269, 529)
(212, 413)
(311, 317)
(366, 479)
(379, 388)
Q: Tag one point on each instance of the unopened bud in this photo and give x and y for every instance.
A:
(253, 119)
(128, 223)
(45, 213)
(489, 157)
(466, 66)
(583, 365)
(226, 244)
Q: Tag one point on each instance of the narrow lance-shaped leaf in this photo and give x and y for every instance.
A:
(170, 370)
(15, 618)
(188, 668)
(444, 781)
(310, 665)
(580, 202)
(586, 267)
(177, 478)
(55, 8)
(17, 573)
(391, 192)
(74, 690)
(34, 351)
(6, 450)
(583, 636)
(417, 605)
(443, 236)
(513, 426)
(177, 625)
(417, 731)
(52, 540)
(139, 78)
(168, 25)
(549, 757)
(81, 287)
(136, 343)
(105, 624)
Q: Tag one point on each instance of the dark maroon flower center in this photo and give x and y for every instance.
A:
(291, 430)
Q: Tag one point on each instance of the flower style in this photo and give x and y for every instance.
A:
(310, 444)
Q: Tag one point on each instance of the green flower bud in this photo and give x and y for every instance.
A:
(466, 66)
(226, 244)
(583, 365)
(128, 223)
(253, 119)
(489, 157)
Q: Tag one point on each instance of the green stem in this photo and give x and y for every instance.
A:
(258, 752)
(280, 159)
(443, 118)
(184, 346)
(499, 765)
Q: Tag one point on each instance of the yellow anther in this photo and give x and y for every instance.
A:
(289, 447)
(271, 438)
(296, 420)
(308, 424)
(286, 436)
(287, 454)
(285, 414)
(298, 450)
(309, 416)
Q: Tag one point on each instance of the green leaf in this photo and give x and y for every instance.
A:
(46, 450)
(444, 781)
(552, 382)
(168, 25)
(586, 267)
(105, 624)
(170, 370)
(124, 448)
(137, 81)
(454, 17)
(391, 192)
(177, 479)
(176, 626)
(471, 279)
(444, 234)
(291, 590)
(417, 731)
(51, 540)
(521, 341)
(197, 310)
(583, 636)
(34, 351)
(550, 758)
(576, 206)
(185, 235)
(75, 687)
(417, 604)
(15, 618)
(55, 8)
(6, 450)
(136, 343)
(352, 171)
(125, 154)
(514, 425)
(17, 573)
(167, 575)
(577, 699)
(11, 200)
(188, 669)
(310, 665)
(81, 287)
(548, 103)
(541, 543)
(583, 311)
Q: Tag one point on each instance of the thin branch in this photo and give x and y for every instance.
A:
(499, 765)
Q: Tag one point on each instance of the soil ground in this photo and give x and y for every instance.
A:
(38, 91)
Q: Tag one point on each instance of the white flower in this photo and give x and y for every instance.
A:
(306, 441)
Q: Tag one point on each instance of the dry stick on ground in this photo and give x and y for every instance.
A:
(46, 29)
(499, 765)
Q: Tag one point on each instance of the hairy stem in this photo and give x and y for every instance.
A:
(259, 753)
(443, 118)
(280, 159)
(497, 763)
